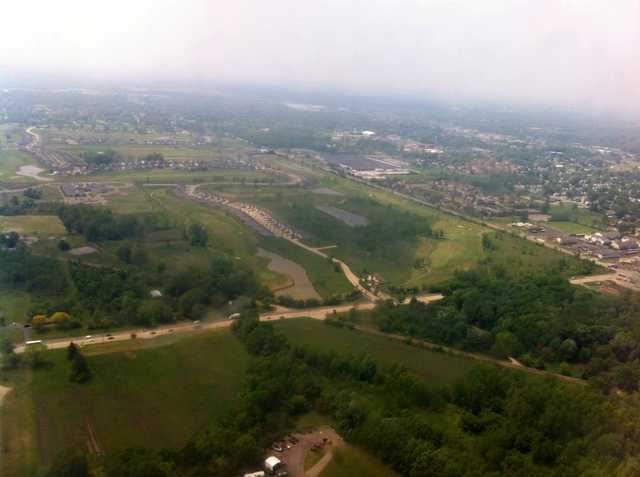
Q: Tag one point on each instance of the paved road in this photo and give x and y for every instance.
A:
(319, 313)
(593, 278)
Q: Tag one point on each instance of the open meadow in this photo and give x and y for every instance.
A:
(40, 225)
(434, 367)
(10, 163)
(140, 395)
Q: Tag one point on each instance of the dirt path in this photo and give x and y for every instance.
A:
(478, 357)
(294, 457)
(92, 442)
(320, 465)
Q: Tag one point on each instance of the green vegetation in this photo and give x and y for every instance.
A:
(40, 225)
(538, 318)
(577, 215)
(572, 227)
(434, 367)
(139, 395)
(10, 162)
(493, 422)
(350, 461)
(327, 279)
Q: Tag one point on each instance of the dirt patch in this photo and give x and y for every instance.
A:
(302, 287)
(324, 439)
(325, 191)
(4, 390)
(33, 172)
(80, 251)
(348, 218)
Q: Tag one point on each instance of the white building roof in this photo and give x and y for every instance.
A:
(271, 463)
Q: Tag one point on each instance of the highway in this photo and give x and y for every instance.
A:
(318, 313)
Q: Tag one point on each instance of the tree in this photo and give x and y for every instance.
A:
(155, 311)
(568, 349)
(34, 355)
(80, 372)
(59, 317)
(72, 351)
(506, 344)
(124, 253)
(69, 464)
(11, 239)
(198, 236)
(7, 346)
(64, 246)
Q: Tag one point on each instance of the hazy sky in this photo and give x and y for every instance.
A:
(563, 52)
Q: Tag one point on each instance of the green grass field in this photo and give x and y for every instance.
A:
(140, 395)
(435, 368)
(350, 461)
(14, 305)
(177, 176)
(42, 225)
(10, 162)
(572, 227)
(570, 213)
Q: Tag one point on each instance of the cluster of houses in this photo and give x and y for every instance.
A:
(459, 196)
(602, 245)
(528, 227)
(614, 240)
(257, 216)
(269, 222)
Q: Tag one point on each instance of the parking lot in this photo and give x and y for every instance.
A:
(322, 440)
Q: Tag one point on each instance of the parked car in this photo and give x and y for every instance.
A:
(277, 447)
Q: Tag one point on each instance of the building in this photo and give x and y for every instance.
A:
(272, 464)
(567, 240)
(625, 243)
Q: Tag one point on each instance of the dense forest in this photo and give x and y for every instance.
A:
(539, 318)
(100, 223)
(492, 423)
(102, 297)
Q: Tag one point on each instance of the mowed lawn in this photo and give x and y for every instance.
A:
(42, 225)
(436, 368)
(153, 393)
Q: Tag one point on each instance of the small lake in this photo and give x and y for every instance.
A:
(302, 287)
